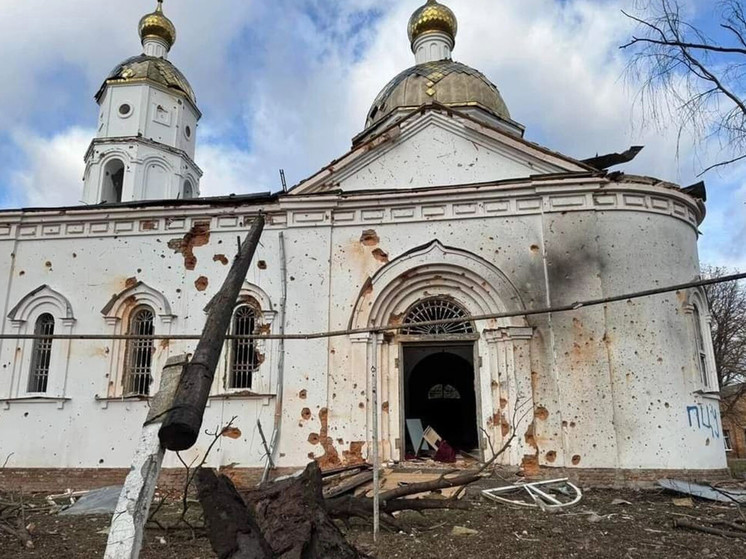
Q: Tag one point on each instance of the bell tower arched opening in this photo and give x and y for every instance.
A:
(113, 181)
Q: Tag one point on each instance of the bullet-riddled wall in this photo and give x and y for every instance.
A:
(614, 386)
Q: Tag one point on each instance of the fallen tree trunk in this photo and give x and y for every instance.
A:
(294, 520)
(290, 519)
(232, 530)
(282, 520)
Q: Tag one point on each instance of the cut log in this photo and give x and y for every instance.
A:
(428, 486)
(327, 474)
(348, 485)
(233, 532)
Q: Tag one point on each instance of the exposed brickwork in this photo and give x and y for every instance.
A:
(41, 480)
(734, 423)
(172, 480)
(589, 477)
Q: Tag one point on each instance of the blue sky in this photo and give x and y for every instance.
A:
(287, 83)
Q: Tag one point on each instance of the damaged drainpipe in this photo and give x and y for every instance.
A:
(376, 455)
(280, 360)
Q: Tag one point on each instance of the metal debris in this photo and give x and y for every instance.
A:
(737, 496)
(546, 495)
(100, 501)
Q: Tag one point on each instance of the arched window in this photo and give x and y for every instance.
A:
(436, 309)
(41, 355)
(111, 191)
(443, 392)
(699, 337)
(244, 358)
(139, 352)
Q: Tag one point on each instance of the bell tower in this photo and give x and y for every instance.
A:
(145, 144)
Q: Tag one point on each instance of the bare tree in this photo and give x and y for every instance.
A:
(689, 77)
(728, 310)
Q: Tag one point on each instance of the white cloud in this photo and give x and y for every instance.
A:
(295, 78)
(227, 170)
(52, 175)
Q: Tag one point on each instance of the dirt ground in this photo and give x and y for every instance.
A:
(593, 528)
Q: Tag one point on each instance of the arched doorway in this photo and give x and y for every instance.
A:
(439, 384)
(439, 391)
(430, 272)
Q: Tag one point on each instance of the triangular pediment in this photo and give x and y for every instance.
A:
(433, 148)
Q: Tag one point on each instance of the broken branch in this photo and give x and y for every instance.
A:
(683, 523)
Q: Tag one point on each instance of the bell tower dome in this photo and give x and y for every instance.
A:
(145, 144)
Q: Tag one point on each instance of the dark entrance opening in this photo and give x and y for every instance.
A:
(439, 391)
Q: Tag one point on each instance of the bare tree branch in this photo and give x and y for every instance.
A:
(683, 45)
(686, 77)
(723, 164)
(728, 323)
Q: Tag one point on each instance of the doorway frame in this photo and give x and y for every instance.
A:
(440, 341)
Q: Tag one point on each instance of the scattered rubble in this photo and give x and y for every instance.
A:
(463, 531)
(644, 528)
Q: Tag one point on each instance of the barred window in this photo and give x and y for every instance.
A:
(41, 354)
(700, 341)
(443, 392)
(139, 354)
(432, 310)
(243, 356)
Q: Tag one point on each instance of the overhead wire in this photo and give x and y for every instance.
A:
(399, 327)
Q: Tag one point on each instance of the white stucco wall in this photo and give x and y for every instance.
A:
(610, 385)
(156, 115)
(436, 148)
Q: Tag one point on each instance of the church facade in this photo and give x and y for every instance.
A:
(441, 210)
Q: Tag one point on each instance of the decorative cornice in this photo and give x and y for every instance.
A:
(144, 141)
(534, 196)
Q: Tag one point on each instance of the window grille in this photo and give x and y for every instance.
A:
(700, 341)
(41, 354)
(443, 392)
(244, 357)
(139, 354)
(726, 440)
(436, 309)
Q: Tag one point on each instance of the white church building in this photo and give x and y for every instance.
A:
(440, 210)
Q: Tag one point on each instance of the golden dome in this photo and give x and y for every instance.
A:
(144, 68)
(432, 17)
(157, 25)
(449, 83)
